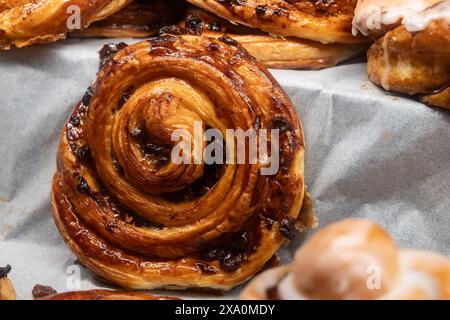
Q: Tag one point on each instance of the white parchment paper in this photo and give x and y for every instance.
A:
(369, 154)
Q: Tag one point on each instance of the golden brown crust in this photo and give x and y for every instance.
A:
(44, 21)
(272, 51)
(139, 19)
(291, 53)
(440, 99)
(412, 63)
(7, 291)
(143, 222)
(104, 295)
(323, 21)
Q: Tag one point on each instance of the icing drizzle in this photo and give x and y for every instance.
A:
(415, 15)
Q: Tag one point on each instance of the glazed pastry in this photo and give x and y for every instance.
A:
(104, 295)
(355, 259)
(323, 21)
(138, 219)
(274, 52)
(7, 291)
(413, 54)
(141, 18)
(29, 22)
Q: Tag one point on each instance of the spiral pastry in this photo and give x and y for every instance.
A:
(273, 52)
(104, 295)
(412, 51)
(24, 23)
(139, 19)
(355, 259)
(323, 21)
(139, 220)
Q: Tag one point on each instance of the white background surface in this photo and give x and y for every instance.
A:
(369, 154)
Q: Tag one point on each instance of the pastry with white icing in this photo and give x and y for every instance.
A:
(355, 259)
(412, 51)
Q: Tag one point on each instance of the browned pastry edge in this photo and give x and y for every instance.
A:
(441, 99)
(290, 53)
(46, 21)
(104, 295)
(122, 245)
(122, 269)
(272, 51)
(323, 21)
(414, 64)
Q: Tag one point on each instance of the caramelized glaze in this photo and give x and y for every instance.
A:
(324, 21)
(25, 23)
(272, 51)
(141, 221)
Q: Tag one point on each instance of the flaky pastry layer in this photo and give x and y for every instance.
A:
(272, 51)
(30, 22)
(141, 221)
(323, 21)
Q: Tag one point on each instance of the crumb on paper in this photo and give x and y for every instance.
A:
(366, 85)
(40, 291)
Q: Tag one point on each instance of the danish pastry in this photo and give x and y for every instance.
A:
(323, 21)
(24, 23)
(140, 220)
(413, 54)
(355, 259)
(272, 51)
